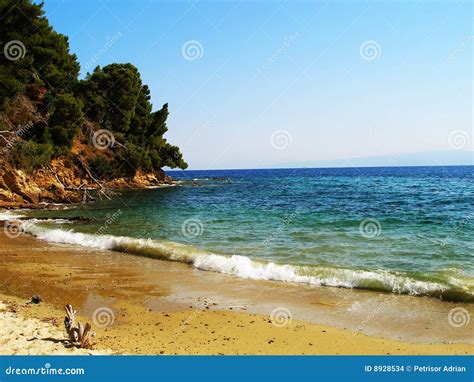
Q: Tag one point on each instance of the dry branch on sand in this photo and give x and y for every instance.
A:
(79, 335)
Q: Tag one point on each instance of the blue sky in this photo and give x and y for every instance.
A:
(272, 82)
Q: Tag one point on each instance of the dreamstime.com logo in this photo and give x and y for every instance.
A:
(44, 370)
(111, 218)
(281, 139)
(372, 315)
(182, 327)
(370, 228)
(103, 317)
(287, 42)
(458, 317)
(192, 228)
(14, 50)
(192, 50)
(370, 50)
(110, 42)
(280, 229)
(12, 229)
(459, 140)
(458, 228)
(19, 132)
(281, 317)
(103, 139)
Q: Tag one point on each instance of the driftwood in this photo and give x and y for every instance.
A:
(79, 335)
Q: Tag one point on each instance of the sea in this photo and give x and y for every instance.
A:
(403, 230)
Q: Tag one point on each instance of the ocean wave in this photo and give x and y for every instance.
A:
(247, 268)
(6, 216)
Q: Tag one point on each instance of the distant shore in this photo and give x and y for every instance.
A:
(156, 307)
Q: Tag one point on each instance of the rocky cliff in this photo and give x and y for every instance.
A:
(67, 178)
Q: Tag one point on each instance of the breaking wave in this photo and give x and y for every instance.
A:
(449, 287)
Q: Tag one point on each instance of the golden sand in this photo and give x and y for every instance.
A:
(20, 335)
(142, 317)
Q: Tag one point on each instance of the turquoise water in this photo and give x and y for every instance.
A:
(402, 230)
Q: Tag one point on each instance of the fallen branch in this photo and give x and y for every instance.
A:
(102, 190)
(55, 176)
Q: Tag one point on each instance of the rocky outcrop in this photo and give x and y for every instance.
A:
(62, 183)
(16, 182)
(19, 189)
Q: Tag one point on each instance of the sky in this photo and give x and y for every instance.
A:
(254, 84)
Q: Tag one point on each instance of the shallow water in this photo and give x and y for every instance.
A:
(405, 230)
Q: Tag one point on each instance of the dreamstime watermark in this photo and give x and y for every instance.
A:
(192, 228)
(372, 315)
(459, 227)
(279, 230)
(192, 50)
(103, 139)
(110, 42)
(12, 229)
(370, 50)
(14, 50)
(459, 51)
(459, 140)
(110, 220)
(287, 42)
(197, 133)
(370, 228)
(17, 133)
(45, 370)
(458, 317)
(182, 327)
(281, 317)
(103, 317)
(281, 139)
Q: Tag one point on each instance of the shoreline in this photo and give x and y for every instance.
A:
(161, 306)
(377, 280)
(373, 280)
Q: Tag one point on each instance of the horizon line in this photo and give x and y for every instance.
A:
(317, 168)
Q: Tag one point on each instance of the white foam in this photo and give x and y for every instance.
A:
(6, 216)
(54, 221)
(70, 237)
(244, 267)
(241, 266)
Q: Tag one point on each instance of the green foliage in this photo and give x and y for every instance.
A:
(111, 94)
(65, 121)
(112, 98)
(43, 57)
(115, 98)
(101, 167)
(9, 87)
(30, 155)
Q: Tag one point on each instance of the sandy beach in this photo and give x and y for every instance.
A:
(138, 305)
(20, 335)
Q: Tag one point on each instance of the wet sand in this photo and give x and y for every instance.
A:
(138, 305)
